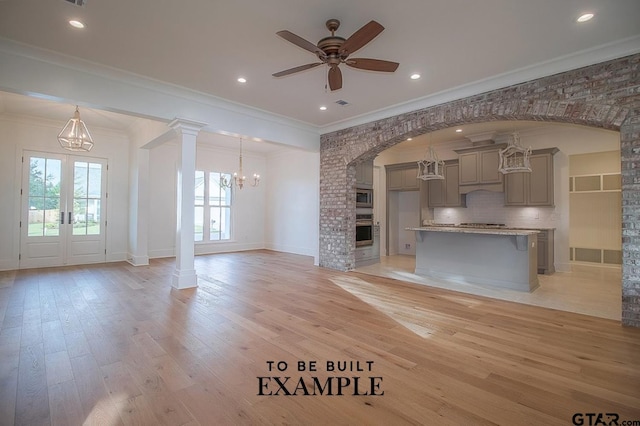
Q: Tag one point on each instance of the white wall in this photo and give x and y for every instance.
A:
(484, 206)
(292, 220)
(249, 204)
(19, 133)
(280, 214)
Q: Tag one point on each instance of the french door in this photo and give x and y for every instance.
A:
(63, 210)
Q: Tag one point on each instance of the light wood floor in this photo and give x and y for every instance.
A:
(114, 344)
(587, 289)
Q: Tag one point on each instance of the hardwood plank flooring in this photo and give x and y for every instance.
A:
(114, 344)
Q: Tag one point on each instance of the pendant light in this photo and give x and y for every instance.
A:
(239, 178)
(431, 168)
(75, 135)
(514, 158)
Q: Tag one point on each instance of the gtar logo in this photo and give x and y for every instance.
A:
(595, 419)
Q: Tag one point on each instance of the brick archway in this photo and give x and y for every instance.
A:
(605, 95)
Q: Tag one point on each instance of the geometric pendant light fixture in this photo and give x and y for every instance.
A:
(75, 135)
(514, 158)
(431, 168)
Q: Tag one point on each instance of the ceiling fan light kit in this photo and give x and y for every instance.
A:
(335, 50)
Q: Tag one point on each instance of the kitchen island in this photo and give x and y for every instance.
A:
(493, 257)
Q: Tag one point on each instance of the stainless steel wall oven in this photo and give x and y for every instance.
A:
(364, 230)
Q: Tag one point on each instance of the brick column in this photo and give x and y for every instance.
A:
(630, 154)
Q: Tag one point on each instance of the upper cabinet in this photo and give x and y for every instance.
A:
(535, 188)
(364, 174)
(478, 169)
(402, 177)
(445, 192)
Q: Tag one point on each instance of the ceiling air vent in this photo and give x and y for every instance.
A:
(77, 2)
(342, 103)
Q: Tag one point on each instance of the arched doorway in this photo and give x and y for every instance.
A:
(601, 95)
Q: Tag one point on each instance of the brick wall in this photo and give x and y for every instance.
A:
(605, 95)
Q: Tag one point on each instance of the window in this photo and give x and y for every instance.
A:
(213, 207)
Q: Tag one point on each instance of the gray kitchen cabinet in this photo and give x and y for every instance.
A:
(546, 252)
(402, 177)
(364, 174)
(445, 193)
(535, 188)
(478, 168)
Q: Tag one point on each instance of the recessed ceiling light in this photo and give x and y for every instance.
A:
(242, 80)
(323, 108)
(585, 17)
(76, 24)
(458, 130)
(409, 139)
(415, 76)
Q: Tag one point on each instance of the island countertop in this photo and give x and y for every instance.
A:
(466, 230)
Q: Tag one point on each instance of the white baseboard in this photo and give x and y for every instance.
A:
(156, 254)
(137, 260)
(116, 257)
(9, 264)
(305, 251)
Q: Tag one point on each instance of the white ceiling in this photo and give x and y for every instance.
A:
(205, 45)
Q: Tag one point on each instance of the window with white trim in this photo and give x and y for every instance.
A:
(213, 207)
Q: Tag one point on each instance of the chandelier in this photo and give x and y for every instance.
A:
(239, 178)
(514, 158)
(431, 168)
(75, 135)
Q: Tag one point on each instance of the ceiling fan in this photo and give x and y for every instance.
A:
(335, 50)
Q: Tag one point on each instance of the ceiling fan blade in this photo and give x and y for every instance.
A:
(372, 64)
(361, 37)
(296, 69)
(300, 42)
(335, 78)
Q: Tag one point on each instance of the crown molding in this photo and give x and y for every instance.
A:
(583, 58)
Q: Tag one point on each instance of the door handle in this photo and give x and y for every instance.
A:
(62, 218)
(69, 221)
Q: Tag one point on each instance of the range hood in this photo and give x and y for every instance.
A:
(479, 163)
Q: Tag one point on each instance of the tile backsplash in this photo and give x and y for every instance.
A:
(488, 207)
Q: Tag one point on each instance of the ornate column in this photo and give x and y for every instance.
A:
(184, 275)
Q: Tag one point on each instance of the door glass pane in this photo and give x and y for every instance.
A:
(93, 216)
(79, 216)
(52, 218)
(95, 181)
(44, 197)
(36, 222)
(80, 180)
(87, 195)
(36, 177)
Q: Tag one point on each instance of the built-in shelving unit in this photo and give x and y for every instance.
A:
(595, 202)
(603, 182)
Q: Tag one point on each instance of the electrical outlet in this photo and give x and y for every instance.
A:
(407, 246)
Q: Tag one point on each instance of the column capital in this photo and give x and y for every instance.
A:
(187, 126)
